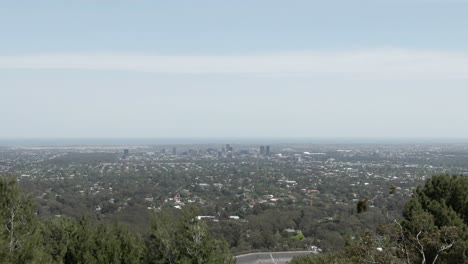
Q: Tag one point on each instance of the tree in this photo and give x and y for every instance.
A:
(177, 236)
(79, 241)
(19, 227)
(434, 230)
(362, 205)
(436, 218)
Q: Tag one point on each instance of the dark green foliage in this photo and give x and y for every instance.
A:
(71, 241)
(434, 230)
(362, 205)
(369, 248)
(178, 237)
(444, 197)
(436, 220)
(19, 228)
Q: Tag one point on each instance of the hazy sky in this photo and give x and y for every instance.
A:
(244, 68)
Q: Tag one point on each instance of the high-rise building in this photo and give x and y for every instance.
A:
(262, 150)
(192, 152)
(174, 151)
(125, 153)
(267, 151)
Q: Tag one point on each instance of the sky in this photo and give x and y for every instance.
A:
(246, 68)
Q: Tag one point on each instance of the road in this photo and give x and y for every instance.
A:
(269, 257)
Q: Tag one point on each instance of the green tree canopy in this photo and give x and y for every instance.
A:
(436, 218)
(177, 236)
(434, 230)
(19, 226)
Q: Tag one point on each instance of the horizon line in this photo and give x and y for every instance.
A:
(381, 63)
(63, 142)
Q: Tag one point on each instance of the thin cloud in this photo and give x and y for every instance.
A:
(382, 63)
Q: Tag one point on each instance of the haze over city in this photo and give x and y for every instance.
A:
(234, 132)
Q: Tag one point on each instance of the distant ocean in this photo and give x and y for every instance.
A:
(187, 141)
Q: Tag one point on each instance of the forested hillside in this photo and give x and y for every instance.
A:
(434, 230)
(176, 236)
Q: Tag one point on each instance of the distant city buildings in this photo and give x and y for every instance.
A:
(265, 151)
(226, 151)
(126, 152)
(192, 152)
(229, 151)
(228, 147)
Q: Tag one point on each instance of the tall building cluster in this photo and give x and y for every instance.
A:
(229, 151)
(225, 151)
(265, 151)
(126, 152)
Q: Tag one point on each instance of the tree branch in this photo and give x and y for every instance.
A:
(404, 242)
(442, 248)
(421, 248)
(12, 229)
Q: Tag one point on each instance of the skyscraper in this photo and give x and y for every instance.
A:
(267, 151)
(174, 151)
(125, 153)
(228, 147)
(262, 150)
